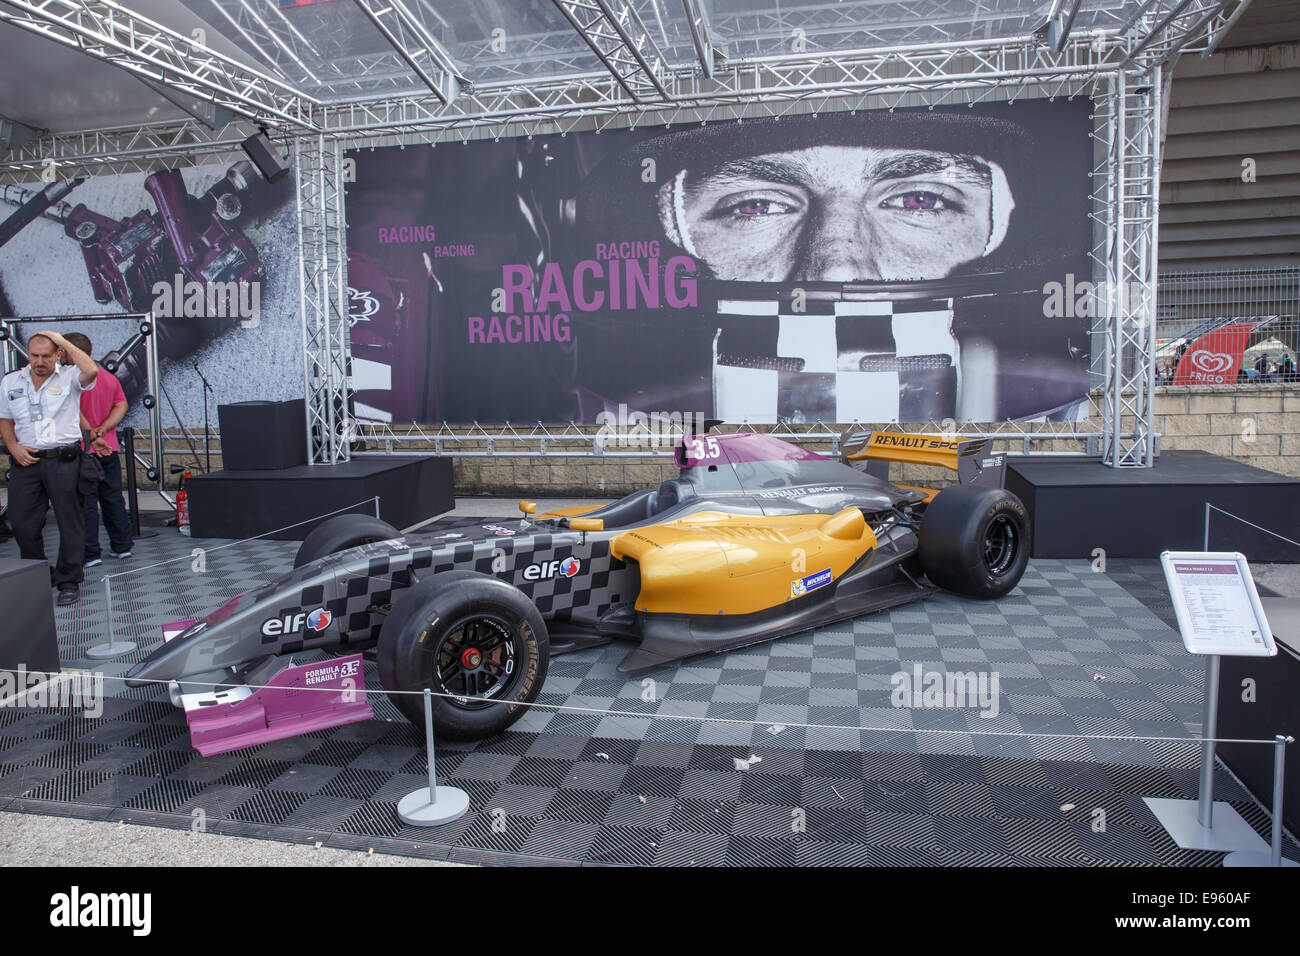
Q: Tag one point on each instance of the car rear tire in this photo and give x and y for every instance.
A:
(470, 634)
(975, 541)
(341, 533)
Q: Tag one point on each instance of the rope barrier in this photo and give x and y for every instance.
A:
(688, 718)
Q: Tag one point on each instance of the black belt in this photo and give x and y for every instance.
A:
(69, 448)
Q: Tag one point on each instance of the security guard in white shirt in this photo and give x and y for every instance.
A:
(40, 422)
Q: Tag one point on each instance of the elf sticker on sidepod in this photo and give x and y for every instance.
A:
(315, 621)
(812, 582)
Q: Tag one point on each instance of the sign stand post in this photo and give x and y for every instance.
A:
(1218, 612)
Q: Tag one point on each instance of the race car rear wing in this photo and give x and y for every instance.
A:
(970, 458)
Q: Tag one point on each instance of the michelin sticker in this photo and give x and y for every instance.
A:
(801, 586)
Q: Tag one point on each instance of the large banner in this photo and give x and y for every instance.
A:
(880, 266)
(211, 251)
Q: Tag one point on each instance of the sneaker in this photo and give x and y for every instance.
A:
(68, 594)
(93, 563)
(124, 554)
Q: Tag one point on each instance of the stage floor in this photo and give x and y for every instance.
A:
(1077, 652)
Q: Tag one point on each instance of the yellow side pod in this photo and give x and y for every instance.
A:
(712, 562)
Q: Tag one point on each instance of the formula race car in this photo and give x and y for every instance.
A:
(757, 539)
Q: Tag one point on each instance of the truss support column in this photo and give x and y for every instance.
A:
(1114, 424)
(1155, 140)
(326, 355)
(1133, 150)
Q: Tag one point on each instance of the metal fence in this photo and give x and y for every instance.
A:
(1217, 304)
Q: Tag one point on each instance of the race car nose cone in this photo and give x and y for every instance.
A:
(471, 658)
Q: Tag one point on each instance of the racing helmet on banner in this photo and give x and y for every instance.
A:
(878, 266)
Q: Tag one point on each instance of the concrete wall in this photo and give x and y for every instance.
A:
(1238, 105)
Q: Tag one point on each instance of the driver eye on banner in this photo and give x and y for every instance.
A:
(871, 267)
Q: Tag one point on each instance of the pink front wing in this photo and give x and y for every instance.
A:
(296, 701)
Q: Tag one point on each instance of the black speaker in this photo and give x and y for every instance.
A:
(266, 157)
(260, 436)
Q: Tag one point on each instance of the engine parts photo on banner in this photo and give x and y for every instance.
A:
(209, 264)
(878, 266)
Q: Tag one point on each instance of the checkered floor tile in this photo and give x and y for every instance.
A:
(1073, 652)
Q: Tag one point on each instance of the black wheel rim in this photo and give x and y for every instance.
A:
(477, 657)
(1000, 545)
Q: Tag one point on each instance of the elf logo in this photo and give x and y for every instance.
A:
(315, 621)
(559, 567)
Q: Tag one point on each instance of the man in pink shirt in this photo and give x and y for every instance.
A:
(102, 409)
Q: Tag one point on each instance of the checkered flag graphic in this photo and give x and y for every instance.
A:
(840, 361)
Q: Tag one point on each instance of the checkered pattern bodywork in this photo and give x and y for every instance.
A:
(837, 361)
(348, 593)
(599, 582)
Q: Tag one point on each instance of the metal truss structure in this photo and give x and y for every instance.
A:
(621, 42)
(1126, 201)
(109, 31)
(323, 288)
(415, 45)
(660, 437)
(862, 54)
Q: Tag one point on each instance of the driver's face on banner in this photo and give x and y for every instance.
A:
(833, 213)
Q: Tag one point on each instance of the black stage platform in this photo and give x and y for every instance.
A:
(1077, 505)
(242, 504)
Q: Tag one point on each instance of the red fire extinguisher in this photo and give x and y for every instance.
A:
(183, 507)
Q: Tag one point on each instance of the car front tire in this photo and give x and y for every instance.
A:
(476, 641)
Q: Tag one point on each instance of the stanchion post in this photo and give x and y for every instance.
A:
(428, 738)
(113, 648)
(428, 807)
(1209, 730)
(376, 506)
(1205, 540)
(1274, 855)
(1279, 775)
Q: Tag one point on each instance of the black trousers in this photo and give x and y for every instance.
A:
(31, 492)
(108, 495)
